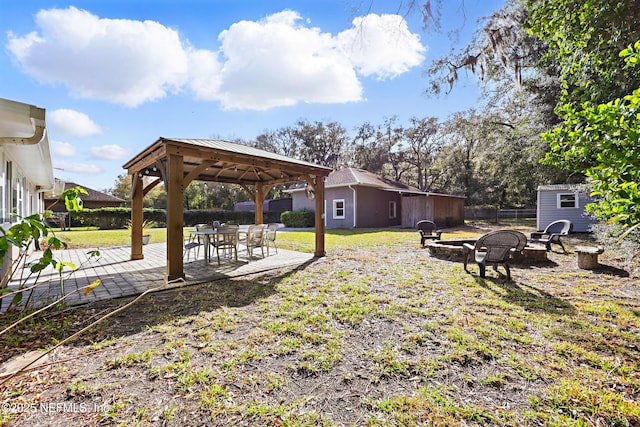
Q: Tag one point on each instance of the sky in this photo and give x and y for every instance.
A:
(116, 75)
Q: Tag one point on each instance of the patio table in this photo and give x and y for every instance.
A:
(207, 236)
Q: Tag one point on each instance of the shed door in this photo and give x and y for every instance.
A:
(413, 210)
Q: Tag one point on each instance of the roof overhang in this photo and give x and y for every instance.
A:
(222, 161)
(23, 136)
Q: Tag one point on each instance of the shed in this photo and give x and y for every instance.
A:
(356, 198)
(564, 201)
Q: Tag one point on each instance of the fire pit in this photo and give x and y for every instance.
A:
(452, 249)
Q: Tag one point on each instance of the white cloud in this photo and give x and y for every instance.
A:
(81, 168)
(63, 149)
(116, 60)
(72, 123)
(382, 45)
(278, 61)
(109, 152)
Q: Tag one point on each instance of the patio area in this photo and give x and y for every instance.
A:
(120, 276)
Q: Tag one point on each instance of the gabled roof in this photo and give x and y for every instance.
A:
(353, 176)
(91, 196)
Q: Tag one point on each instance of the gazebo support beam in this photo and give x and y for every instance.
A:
(319, 198)
(137, 196)
(175, 217)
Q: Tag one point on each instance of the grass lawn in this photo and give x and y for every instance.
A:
(302, 241)
(377, 333)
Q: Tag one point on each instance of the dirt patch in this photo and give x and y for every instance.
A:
(370, 335)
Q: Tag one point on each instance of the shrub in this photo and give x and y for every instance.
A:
(301, 219)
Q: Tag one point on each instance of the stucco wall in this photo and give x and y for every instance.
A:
(373, 207)
(340, 193)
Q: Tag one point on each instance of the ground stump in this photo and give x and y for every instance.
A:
(588, 256)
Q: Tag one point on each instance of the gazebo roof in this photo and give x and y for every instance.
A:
(223, 161)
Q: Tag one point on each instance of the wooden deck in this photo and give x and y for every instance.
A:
(120, 276)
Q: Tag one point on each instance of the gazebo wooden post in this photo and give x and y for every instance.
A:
(259, 201)
(175, 216)
(137, 196)
(319, 198)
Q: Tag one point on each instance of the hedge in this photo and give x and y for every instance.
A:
(300, 219)
(117, 218)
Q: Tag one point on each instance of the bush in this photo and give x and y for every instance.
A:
(117, 218)
(301, 219)
(627, 249)
(114, 218)
(194, 217)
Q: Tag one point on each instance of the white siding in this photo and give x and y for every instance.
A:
(548, 210)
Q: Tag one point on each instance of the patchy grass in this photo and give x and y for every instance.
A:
(377, 333)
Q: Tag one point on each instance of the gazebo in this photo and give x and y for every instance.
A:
(176, 162)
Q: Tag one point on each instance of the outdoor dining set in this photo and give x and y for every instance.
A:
(226, 239)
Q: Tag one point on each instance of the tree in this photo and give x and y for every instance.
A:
(122, 188)
(600, 98)
(423, 148)
(324, 144)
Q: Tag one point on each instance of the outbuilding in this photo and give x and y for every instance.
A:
(356, 198)
(564, 201)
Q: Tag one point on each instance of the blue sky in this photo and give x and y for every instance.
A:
(115, 75)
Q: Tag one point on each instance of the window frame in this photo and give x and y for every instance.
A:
(336, 209)
(393, 209)
(560, 201)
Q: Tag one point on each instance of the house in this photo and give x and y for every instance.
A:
(92, 200)
(26, 172)
(355, 198)
(564, 201)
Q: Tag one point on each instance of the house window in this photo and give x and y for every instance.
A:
(567, 200)
(338, 209)
(392, 210)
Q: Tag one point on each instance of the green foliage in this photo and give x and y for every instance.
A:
(605, 138)
(302, 218)
(600, 97)
(72, 200)
(208, 216)
(115, 218)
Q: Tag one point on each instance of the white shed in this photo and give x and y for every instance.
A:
(564, 201)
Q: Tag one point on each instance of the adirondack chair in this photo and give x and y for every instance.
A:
(553, 233)
(494, 248)
(428, 231)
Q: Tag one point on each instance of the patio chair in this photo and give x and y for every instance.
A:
(428, 231)
(226, 239)
(255, 238)
(552, 234)
(494, 248)
(194, 241)
(270, 237)
(190, 243)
